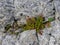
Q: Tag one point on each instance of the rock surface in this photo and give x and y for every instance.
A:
(22, 8)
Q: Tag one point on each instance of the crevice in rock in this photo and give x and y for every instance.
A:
(37, 38)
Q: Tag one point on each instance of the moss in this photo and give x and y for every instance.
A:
(34, 23)
(39, 23)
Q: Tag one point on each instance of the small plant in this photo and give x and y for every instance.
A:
(35, 23)
(39, 23)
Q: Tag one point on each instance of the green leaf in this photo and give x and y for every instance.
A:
(51, 19)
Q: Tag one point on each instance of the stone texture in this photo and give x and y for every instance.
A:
(14, 8)
(28, 38)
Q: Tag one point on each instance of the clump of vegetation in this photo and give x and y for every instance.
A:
(34, 23)
(37, 23)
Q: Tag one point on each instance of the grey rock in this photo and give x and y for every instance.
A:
(9, 8)
(9, 40)
(28, 38)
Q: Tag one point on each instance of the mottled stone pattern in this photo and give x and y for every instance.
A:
(22, 8)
